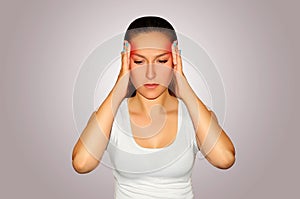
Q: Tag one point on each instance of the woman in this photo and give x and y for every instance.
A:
(152, 123)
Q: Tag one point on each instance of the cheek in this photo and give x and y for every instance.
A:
(164, 74)
(137, 75)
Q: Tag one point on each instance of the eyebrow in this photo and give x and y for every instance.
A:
(155, 56)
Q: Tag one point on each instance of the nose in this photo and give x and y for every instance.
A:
(150, 72)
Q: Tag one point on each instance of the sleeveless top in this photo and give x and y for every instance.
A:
(152, 173)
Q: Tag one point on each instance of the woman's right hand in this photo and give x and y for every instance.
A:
(125, 60)
(120, 89)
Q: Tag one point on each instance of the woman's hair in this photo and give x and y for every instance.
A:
(148, 24)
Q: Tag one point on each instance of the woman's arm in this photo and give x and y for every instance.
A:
(212, 141)
(93, 141)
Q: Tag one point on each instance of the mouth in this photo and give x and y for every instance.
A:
(151, 86)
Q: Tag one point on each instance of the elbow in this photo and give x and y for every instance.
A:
(79, 166)
(228, 160)
(82, 161)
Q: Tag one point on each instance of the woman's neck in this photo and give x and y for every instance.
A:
(143, 104)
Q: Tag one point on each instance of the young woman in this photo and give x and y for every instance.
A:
(152, 123)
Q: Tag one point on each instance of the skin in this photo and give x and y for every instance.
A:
(212, 140)
(153, 112)
(151, 62)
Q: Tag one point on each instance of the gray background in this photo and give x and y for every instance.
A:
(255, 45)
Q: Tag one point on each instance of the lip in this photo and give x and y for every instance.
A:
(151, 86)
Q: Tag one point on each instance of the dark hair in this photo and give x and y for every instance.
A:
(144, 25)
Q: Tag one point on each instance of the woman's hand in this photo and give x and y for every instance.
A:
(120, 90)
(125, 58)
(181, 83)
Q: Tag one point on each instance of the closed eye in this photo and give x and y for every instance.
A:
(162, 61)
(138, 62)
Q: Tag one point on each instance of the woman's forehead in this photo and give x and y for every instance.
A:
(145, 53)
(152, 40)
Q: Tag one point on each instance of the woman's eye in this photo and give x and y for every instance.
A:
(138, 62)
(162, 61)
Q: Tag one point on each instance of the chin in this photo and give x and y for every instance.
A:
(152, 95)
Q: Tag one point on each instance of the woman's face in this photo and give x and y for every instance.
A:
(151, 65)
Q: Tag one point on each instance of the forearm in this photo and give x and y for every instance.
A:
(107, 110)
(96, 134)
(200, 115)
(211, 138)
(94, 139)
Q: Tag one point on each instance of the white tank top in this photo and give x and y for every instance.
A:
(148, 173)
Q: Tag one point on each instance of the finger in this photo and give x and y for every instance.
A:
(128, 53)
(124, 54)
(179, 59)
(174, 53)
(124, 48)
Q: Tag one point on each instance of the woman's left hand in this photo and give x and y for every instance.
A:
(180, 81)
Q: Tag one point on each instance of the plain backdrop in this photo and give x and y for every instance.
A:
(255, 45)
